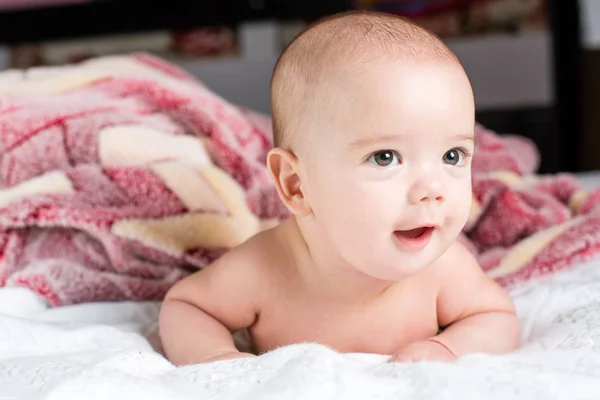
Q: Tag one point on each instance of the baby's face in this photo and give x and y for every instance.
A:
(389, 175)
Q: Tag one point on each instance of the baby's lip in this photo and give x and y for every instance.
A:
(415, 232)
(411, 227)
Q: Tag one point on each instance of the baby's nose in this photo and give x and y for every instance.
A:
(427, 190)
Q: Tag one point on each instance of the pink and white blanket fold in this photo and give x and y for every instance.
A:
(121, 175)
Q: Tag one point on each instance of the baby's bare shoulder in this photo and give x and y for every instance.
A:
(233, 288)
(464, 288)
(249, 262)
(257, 255)
(243, 265)
(456, 261)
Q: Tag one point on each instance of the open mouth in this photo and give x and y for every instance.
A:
(414, 239)
(414, 233)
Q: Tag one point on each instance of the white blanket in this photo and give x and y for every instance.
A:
(104, 351)
(110, 351)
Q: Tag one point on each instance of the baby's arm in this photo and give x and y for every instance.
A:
(201, 312)
(477, 314)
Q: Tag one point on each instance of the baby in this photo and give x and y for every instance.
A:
(373, 122)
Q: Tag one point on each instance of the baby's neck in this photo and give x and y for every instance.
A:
(329, 276)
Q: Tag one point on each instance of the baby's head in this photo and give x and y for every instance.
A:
(373, 122)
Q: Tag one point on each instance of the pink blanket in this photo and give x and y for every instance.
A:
(121, 175)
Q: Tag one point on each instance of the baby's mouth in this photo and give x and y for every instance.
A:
(414, 239)
(415, 233)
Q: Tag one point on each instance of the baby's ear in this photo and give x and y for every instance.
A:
(283, 167)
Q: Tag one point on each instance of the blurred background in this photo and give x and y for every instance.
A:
(534, 64)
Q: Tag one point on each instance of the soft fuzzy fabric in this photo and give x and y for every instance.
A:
(121, 175)
(524, 225)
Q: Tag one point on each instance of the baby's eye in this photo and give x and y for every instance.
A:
(384, 158)
(455, 157)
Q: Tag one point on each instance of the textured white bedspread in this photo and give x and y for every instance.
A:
(103, 351)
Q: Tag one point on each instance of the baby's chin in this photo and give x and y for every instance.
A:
(398, 271)
(403, 272)
(399, 265)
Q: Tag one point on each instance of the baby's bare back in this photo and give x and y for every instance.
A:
(293, 311)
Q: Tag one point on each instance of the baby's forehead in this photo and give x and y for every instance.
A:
(311, 74)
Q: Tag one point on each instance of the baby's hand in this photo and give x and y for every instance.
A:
(425, 350)
(229, 356)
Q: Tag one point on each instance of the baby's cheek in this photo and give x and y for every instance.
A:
(458, 218)
(355, 222)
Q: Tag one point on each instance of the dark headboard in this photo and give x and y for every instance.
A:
(565, 25)
(98, 17)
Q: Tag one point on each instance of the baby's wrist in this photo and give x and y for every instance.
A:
(442, 344)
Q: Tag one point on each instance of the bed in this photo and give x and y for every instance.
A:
(94, 228)
(105, 350)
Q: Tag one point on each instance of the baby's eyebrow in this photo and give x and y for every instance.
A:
(358, 143)
(466, 137)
